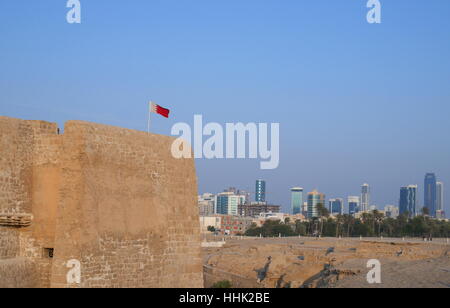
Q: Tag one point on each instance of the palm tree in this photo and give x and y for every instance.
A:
(339, 222)
(369, 220)
(323, 213)
(389, 225)
(378, 218)
(402, 222)
(349, 220)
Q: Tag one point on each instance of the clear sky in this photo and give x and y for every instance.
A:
(356, 102)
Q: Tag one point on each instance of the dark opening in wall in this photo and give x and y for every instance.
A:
(48, 253)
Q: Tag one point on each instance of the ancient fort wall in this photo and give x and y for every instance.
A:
(114, 199)
(28, 200)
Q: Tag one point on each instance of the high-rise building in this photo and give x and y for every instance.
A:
(260, 192)
(440, 212)
(440, 196)
(353, 204)
(314, 199)
(305, 208)
(296, 200)
(430, 197)
(365, 198)
(408, 200)
(336, 206)
(227, 203)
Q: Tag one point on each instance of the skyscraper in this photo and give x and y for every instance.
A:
(260, 192)
(430, 193)
(440, 212)
(296, 200)
(408, 200)
(353, 204)
(314, 199)
(336, 206)
(365, 198)
(440, 196)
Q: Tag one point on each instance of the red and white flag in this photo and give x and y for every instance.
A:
(159, 110)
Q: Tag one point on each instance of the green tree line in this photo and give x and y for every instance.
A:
(372, 224)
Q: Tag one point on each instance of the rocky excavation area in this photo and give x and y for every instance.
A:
(327, 263)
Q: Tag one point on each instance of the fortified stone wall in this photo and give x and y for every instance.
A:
(23, 147)
(9, 243)
(114, 199)
(17, 139)
(18, 273)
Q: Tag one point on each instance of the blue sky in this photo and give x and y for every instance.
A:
(356, 102)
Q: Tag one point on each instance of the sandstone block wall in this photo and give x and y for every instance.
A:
(24, 160)
(18, 141)
(114, 199)
(18, 273)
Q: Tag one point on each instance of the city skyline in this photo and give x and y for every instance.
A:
(406, 202)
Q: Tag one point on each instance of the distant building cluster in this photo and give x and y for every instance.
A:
(433, 205)
(236, 202)
(233, 212)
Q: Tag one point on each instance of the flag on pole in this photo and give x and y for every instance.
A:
(159, 110)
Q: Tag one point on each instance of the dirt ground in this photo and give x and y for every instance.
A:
(328, 263)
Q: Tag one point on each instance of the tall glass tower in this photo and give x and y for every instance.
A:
(430, 198)
(260, 192)
(440, 213)
(336, 206)
(314, 199)
(408, 200)
(353, 204)
(439, 196)
(296, 200)
(365, 198)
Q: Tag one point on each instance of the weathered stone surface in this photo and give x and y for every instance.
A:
(112, 198)
(18, 273)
